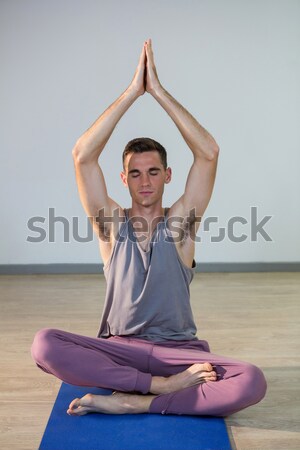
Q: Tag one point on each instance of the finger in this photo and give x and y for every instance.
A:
(142, 55)
(145, 74)
(149, 52)
(149, 44)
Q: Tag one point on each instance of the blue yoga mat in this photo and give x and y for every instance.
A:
(128, 432)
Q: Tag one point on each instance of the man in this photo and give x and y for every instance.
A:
(147, 349)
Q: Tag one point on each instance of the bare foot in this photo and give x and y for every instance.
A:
(124, 403)
(195, 374)
(117, 403)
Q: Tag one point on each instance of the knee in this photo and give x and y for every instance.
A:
(42, 345)
(255, 386)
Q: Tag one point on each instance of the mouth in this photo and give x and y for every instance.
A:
(146, 192)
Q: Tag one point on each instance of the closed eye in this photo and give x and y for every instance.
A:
(153, 172)
(134, 173)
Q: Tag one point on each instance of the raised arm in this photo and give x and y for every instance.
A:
(89, 176)
(200, 181)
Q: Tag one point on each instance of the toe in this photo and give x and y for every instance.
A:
(74, 404)
(207, 367)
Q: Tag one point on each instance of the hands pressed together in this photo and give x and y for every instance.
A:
(145, 78)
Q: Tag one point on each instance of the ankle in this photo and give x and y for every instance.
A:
(159, 385)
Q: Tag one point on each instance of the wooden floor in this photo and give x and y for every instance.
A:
(250, 316)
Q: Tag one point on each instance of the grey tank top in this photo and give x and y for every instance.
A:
(147, 294)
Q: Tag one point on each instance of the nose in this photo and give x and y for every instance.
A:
(145, 180)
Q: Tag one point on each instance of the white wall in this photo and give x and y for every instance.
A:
(234, 64)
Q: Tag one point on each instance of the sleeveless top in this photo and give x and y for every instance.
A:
(147, 294)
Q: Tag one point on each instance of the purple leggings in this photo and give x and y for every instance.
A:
(127, 364)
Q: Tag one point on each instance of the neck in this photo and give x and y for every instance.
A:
(152, 214)
(147, 212)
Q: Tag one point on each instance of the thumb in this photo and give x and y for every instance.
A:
(142, 59)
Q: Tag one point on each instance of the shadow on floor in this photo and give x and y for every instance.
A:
(279, 410)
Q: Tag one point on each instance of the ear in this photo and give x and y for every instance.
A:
(168, 175)
(124, 179)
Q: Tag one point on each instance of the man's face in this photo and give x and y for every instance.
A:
(145, 177)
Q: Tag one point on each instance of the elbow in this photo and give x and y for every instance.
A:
(216, 151)
(78, 153)
(213, 153)
(84, 153)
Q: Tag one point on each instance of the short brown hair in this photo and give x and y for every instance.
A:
(143, 144)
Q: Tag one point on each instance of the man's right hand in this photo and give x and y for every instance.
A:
(138, 84)
(153, 85)
(90, 179)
